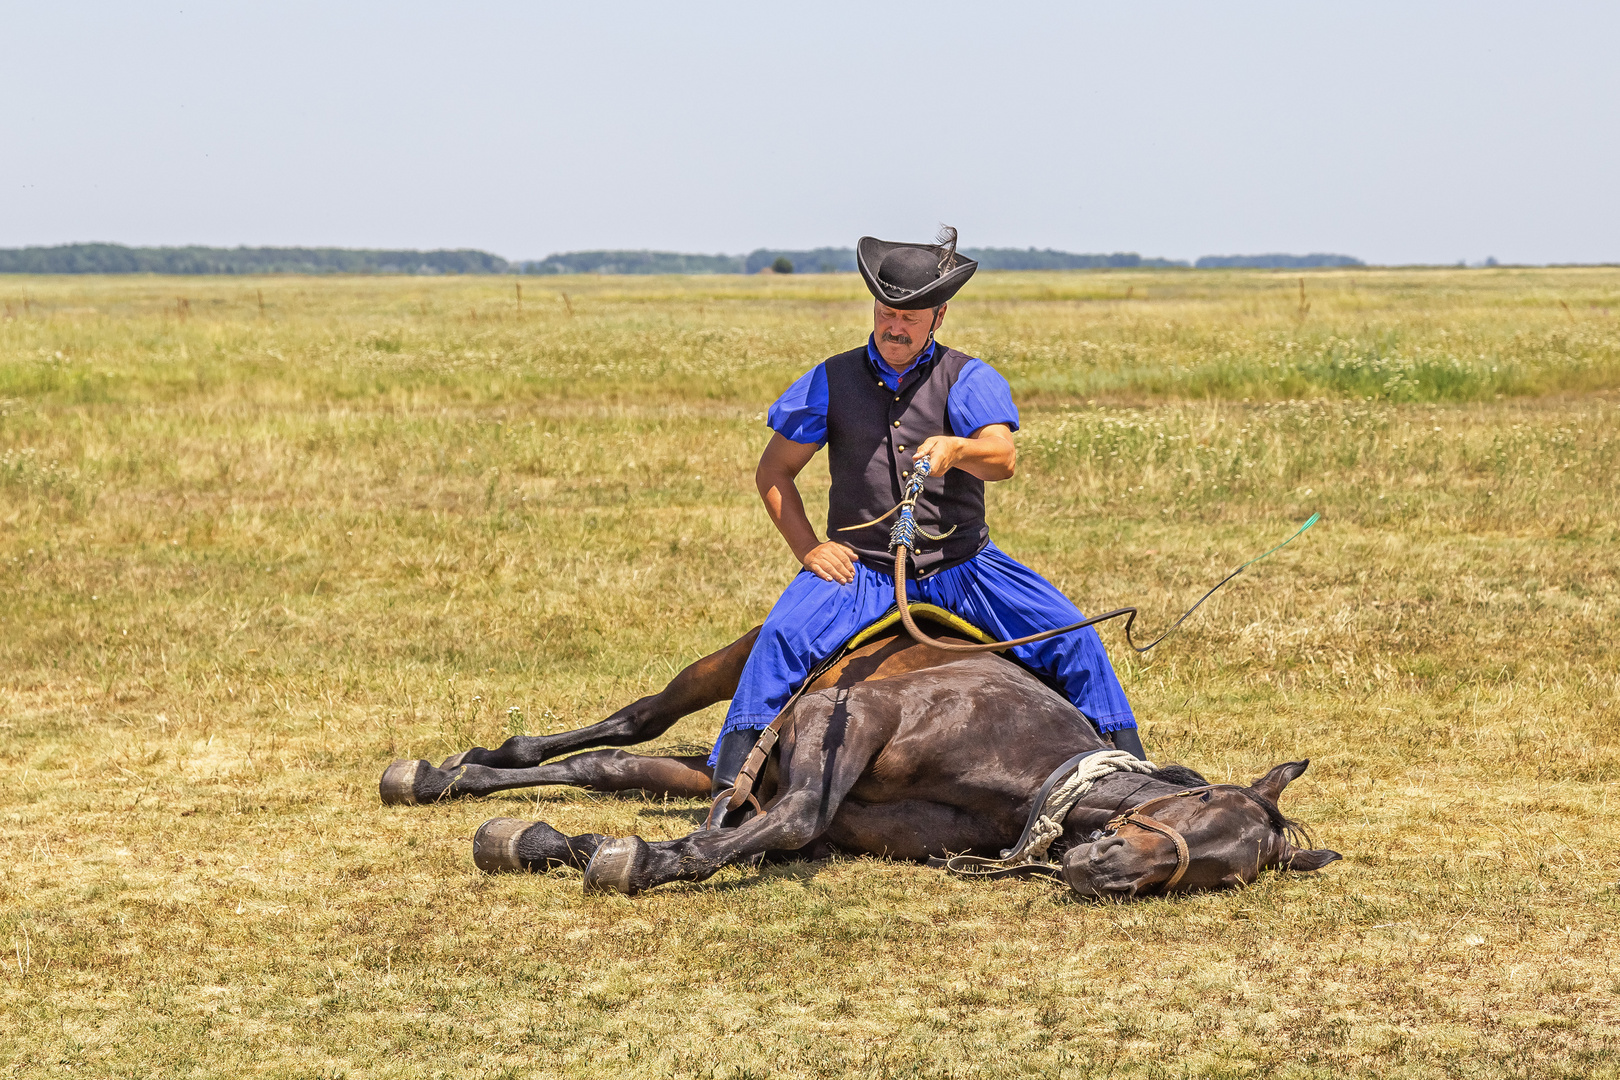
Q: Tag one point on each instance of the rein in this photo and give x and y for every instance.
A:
(902, 539)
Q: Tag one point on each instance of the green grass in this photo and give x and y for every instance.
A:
(251, 555)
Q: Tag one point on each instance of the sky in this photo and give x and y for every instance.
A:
(1409, 132)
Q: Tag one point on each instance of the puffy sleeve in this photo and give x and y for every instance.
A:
(800, 414)
(980, 396)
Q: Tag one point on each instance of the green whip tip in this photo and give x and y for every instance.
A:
(1297, 534)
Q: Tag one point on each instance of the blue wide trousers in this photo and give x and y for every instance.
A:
(1003, 597)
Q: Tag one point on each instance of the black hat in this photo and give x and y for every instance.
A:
(912, 276)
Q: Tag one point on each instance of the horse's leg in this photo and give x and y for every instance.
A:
(507, 845)
(701, 684)
(826, 754)
(412, 782)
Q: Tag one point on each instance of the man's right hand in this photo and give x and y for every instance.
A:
(778, 466)
(831, 561)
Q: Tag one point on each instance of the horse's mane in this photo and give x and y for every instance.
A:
(1294, 832)
(1180, 776)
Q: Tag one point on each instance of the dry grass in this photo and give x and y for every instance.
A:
(249, 558)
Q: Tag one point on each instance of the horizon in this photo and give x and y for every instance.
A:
(521, 264)
(592, 250)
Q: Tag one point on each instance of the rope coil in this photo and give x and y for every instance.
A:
(1048, 825)
(1063, 790)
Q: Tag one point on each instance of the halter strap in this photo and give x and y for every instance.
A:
(1138, 816)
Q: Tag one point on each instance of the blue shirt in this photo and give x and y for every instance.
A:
(979, 397)
(892, 378)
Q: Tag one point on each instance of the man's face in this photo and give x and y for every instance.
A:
(901, 335)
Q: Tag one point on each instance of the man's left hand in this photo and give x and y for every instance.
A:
(942, 453)
(989, 454)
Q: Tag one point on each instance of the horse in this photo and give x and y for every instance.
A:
(899, 749)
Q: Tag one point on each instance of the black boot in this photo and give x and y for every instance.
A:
(735, 746)
(1130, 741)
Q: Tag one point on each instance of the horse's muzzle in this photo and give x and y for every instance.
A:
(1100, 870)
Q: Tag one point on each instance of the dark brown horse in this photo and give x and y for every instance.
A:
(900, 750)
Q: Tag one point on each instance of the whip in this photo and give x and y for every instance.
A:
(902, 538)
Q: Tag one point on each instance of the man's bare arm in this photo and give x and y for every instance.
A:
(779, 466)
(988, 453)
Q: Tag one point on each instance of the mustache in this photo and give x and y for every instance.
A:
(897, 339)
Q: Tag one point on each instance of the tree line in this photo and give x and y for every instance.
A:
(825, 260)
(118, 259)
(1274, 262)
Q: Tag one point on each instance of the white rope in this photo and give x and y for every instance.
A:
(1049, 826)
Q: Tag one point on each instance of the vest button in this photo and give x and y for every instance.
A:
(897, 397)
(897, 423)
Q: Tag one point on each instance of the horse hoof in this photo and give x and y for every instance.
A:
(610, 868)
(495, 845)
(398, 786)
(454, 761)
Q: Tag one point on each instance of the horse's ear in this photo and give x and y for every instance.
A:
(1301, 859)
(1271, 785)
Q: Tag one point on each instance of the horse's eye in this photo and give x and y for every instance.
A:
(1205, 796)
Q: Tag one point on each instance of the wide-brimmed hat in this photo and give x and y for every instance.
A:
(911, 276)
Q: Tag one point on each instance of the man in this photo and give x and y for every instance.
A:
(879, 409)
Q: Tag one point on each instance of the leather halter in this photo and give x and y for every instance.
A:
(1138, 816)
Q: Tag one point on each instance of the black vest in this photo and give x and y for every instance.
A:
(872, 432)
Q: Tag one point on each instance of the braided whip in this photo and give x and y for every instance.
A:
(904, 530)
(901, 541)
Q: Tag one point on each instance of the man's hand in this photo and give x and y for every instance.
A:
(942, 453)
(831, 561)
(781, 462)
(990, 454)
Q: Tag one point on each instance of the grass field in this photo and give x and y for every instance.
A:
(260, 537)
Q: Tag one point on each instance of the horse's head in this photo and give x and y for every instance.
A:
(1211, 837)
